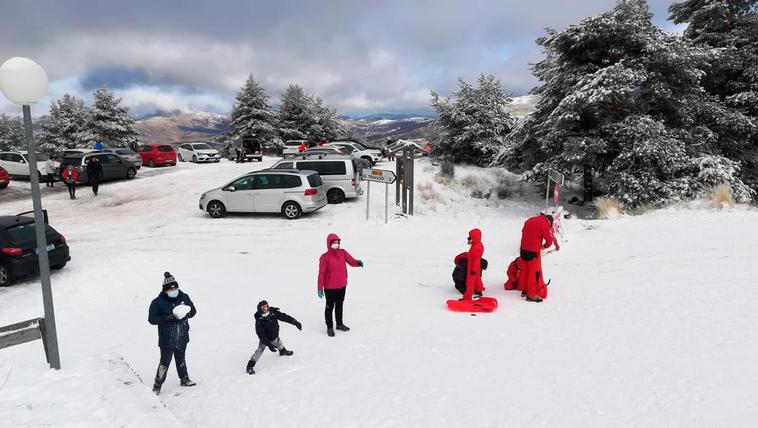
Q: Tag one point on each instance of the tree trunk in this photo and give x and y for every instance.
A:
(589, 191)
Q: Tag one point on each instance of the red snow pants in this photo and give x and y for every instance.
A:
(527, 276)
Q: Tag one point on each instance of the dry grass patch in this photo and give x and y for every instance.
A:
(608, 207)
(722, 196)
(427, 193)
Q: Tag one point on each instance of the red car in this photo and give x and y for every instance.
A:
(4, 178)
(157, 154)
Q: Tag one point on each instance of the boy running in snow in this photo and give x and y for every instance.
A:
(267, 328)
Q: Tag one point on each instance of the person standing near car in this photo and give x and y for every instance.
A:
(170, 312)
(94, 173)
(50, 171)
(69, 176)
(332, 280)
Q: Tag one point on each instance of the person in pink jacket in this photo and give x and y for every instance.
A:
(332, 280)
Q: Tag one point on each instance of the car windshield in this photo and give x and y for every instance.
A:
(293, 143)
(125, 152)
(23, 233)
(41, 157)
(202, 146)
(165, 149)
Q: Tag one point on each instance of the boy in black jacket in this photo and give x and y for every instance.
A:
(267, 328)
(459, 273)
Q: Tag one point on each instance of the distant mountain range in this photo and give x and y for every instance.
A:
(175, 126)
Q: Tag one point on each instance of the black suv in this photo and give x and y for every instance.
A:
(114, 166)
(18, 248)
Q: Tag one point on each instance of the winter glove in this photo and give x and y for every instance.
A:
(360, 263)
(320, 294)
(298, 325)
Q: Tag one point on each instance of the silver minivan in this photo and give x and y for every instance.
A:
(290, 192)
(339, 172)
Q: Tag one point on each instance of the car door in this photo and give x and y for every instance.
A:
(268, 193)
(238, 195)
(117, 167)
(17, 165)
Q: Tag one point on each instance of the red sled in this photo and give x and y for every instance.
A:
(482, 304)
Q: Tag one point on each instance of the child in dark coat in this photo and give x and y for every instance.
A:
(459, 273)
(267, 328)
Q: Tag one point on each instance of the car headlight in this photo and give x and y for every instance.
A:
(202, 196)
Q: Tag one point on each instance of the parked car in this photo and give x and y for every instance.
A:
(75, 151)
(17, 165)
(253, 150)
(157, 154)
(127, 154)
(197, 152)
(18, 248)
(290, 192)
(371, 155)
(292, 147)
(339, 173)
(4, 178)
(114, 166)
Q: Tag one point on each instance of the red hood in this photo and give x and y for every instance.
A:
(331, 238)
(475, 235)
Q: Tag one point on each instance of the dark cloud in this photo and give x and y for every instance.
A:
(357, 55)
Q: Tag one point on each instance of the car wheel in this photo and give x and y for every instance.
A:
(3, 185)
(151, 163)
(58, 267)
(216, 209)
(5, 276)
(335, 196)
(194, 158)
(291, 210)
(131, 173)
(179, 156)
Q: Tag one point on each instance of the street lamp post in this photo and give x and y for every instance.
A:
(24, 82)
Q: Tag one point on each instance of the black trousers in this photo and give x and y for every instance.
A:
(181, 364)
(50, 179)
(334, 299)
(71, 189)
(95, 185)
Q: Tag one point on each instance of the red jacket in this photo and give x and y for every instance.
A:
(332, 272)
(301, 147)
(536, 230)
(74, 175)
(474, 264)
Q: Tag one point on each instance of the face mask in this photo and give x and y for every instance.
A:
(173, 293)
(335, 245)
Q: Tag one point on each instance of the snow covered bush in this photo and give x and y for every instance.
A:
(427, 193)
(713, 171)
(504, 183)
(447, 169)
(470, 182)
(722, 196)
(608, 207)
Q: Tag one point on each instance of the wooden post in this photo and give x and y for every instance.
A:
(411, 165)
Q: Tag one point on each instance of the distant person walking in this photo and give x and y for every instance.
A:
(388, 150)
(94, 173)
(170, 312)
(332, 280)
(98, 146)
(69, 176)
(50, 171)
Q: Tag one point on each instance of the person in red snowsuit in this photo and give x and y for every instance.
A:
(536, 235)
(301, 148)
(474, 265)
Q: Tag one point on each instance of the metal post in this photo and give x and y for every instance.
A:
(386, 200)
(368, 196)
(411, 164)
(399, 179)
(405, 181)
(44, 262)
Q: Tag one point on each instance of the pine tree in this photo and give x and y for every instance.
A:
(327, 126)
(729, 29)
(109, 121)
(474, 121)
(296, 117)
(622, 108)
(252, 116)
(66, 126)
(11, 133)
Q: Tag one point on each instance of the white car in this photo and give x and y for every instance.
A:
(358, 151)
(197, 152)
(292, 147)
(287, 191)
(17, 165)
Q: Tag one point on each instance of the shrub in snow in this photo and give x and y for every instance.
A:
(470, 181)
(427, 193)
(722, 196)
(447, 169)
(443, 179)
(713, 171)
(608, 207)
(503, 191)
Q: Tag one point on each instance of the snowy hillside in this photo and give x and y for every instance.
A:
(651, 320)
(175, 127)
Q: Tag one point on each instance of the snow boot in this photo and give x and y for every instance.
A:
(523, 294)
(285, 351)
(477, 294)
(343, 327)
(187, 382)
(156, 389)
(250, 365)
(330, 332)
(533, 299)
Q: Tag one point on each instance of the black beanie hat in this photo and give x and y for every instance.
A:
(261, 303)
(169, 282)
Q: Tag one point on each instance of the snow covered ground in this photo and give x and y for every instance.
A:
(651, 320)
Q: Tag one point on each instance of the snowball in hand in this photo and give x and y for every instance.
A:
(180, 311)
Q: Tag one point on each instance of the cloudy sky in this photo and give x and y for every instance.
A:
(359, 56)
